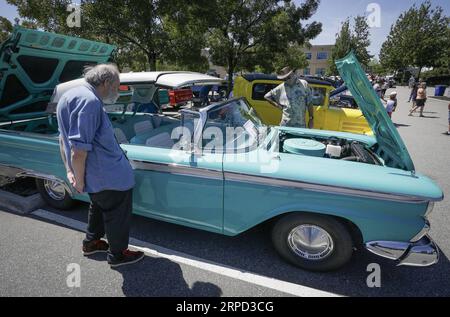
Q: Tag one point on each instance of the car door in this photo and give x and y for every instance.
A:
(179, 186)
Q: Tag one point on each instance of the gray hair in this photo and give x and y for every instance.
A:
(101, 73)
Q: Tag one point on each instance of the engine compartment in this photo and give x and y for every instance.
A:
(327, 147)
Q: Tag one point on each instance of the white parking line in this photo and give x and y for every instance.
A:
(186, 259)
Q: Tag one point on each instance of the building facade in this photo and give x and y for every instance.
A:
(317, 57)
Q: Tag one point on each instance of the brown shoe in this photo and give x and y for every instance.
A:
(127, 257)
(95, 246)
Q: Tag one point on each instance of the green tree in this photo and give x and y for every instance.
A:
(419, 38)
(294, 56)
(135, 24)
(6, 28)
(156, 30)
(376, 68)
(348, 39)
(251, 33)
(342, 46)
(361, 40)
(49, 15)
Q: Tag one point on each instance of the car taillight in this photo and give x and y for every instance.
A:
(177, 96)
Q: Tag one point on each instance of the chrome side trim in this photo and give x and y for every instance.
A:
(277, 182)
(17, 172)
(177, 169)
(35, 135)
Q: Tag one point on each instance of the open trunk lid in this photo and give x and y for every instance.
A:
(33, 62)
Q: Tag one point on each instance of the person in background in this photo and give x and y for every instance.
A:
(293, 97)
(384, 88)
(377, 88)
(411, 82)
(413, 95)
(391, 105)
(420, 99)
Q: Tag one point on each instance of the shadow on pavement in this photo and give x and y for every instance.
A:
(401, 125)
(429, 117)
(252, 251)
(161, 277)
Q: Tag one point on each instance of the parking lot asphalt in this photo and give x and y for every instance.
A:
(36, 251)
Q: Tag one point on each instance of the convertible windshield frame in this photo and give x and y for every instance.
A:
(252, 122)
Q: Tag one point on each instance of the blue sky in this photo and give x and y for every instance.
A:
(332, 13)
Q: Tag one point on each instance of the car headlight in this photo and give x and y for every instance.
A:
(429, 209)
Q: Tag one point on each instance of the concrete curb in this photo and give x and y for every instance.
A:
(19, 204)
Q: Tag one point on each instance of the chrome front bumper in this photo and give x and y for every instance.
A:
(422, 252)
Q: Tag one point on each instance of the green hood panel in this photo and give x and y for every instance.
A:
(33, 62)
(390, 145)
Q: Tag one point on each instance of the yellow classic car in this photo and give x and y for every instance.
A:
(328, 114)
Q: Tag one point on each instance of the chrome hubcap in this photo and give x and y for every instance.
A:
(310, 242)
(55, 189)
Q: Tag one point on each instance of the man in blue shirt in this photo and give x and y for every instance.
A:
(96, 164)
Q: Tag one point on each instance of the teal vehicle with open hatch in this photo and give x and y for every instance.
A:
(220, 169)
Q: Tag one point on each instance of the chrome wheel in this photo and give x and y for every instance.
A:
(54, 189)
(310, 242)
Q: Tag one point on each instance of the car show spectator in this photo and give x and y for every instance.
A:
(391, 105)
(384, 87)
(377, 88)
(411, 82)
(420, 99)
(94, 162)
(413, 95)
(294, 97)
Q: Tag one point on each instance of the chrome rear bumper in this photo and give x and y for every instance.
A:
(423, 252)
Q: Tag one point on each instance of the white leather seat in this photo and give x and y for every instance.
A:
(143, 127)
(120, 136)
(161, 140)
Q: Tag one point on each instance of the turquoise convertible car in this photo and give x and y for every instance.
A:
(219, 169)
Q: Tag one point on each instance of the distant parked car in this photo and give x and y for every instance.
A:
(391, 81)
(254, 86)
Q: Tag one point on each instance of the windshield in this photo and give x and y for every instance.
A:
(232, 126)
(235, 113)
